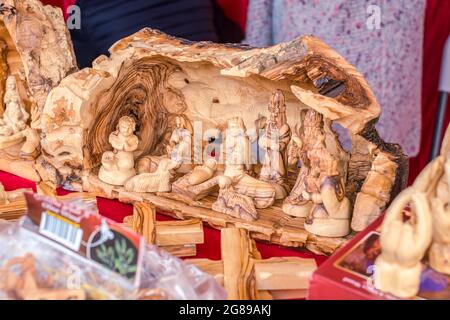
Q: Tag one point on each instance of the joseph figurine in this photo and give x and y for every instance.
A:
(275, 141)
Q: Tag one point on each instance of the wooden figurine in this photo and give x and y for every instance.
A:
(158, 181)
(179, 148)
(31, 64)
(15, 117)
(118, 165)
(275, 141)
(203, 173)
(439, 253)
(13, 205)
(298, 202)
(375, 192)
(319, 192)
(237, 162)
(404, 243)
(330, 214)
(232, 203)
(20, 280)
(199, 183)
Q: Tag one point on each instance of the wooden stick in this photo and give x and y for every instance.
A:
(144, 221)
(238, 266)
(289, 273)
(187, 250)
(179, 232)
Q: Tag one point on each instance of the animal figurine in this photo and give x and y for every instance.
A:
(232, 203)
(158, 181)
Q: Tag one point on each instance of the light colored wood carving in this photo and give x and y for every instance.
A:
(319, 192)
(404, 244)
(40, 36)
(375, 193)
(274, 141)
(15, 206)
(231, 202)
(158, 181)
(36, 51)
(195, 191)
(8, 197)
(237, 163)
(118, 165)
(439, 254)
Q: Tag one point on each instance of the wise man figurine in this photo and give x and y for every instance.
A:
(275, 141)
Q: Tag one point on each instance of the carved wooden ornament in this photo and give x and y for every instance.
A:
(234, 104)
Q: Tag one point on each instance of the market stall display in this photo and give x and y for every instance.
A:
(241, 138)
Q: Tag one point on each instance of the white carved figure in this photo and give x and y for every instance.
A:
(203, 173)
(404, 243)
(118, 165)
(15, 116)
(180, 144)
(158, 181)
(439, 254)
(232, 203)
(237, 163)
(275, 142)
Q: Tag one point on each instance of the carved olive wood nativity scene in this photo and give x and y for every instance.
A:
(229, 134)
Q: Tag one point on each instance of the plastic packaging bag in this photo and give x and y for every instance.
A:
(34, 267)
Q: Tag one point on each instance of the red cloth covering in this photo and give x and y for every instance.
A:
(210, 249)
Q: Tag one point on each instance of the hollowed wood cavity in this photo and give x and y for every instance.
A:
(142, 92)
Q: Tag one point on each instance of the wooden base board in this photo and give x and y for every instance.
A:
(272, 226)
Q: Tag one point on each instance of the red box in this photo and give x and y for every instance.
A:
(347, 274)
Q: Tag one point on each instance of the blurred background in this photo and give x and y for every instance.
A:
(397, 44)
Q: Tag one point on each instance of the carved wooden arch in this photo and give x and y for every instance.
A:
(140, 91)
